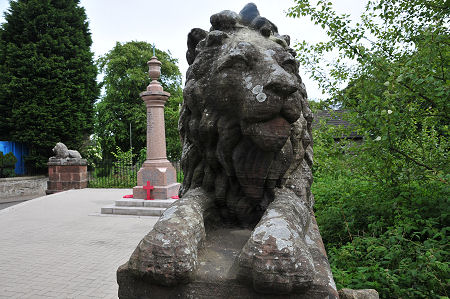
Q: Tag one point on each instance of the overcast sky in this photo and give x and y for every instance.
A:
(167, 23)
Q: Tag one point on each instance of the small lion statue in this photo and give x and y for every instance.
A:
(62, 152)
(245, 126)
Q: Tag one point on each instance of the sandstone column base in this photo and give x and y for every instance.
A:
(161, 175)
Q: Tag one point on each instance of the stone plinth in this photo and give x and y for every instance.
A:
(217, 275)
(65, 174)
(161, 175)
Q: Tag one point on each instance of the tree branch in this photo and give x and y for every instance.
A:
(410, 158)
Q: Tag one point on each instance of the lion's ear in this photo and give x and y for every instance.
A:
(287, 39)
(249, 13)
(194, 37)
(224, 20)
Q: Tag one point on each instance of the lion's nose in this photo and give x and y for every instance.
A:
(281, 82)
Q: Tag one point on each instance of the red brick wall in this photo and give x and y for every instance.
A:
(66, 177)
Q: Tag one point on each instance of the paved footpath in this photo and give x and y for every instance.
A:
(59, 246)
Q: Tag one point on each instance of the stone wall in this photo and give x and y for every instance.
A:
(22, 187)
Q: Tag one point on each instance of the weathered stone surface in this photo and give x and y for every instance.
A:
(66, 157)
(277, 246)
(12, 188)
(168, 254)
(245, 126)
(358, 294)
(62, 152)
(216, 275)
(53, 161)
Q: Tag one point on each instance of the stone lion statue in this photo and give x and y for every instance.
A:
(62, 152)
(245, 126)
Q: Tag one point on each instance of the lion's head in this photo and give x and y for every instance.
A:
(245, 122)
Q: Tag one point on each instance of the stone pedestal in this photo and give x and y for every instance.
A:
(217, 274)
(162, 175)
(65, 174)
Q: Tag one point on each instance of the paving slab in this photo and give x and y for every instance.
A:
(60, 246)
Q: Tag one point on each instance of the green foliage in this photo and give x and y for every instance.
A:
(143, 154)
(47, 77)
(121, 173)
(382, 205)
(93, 152)
(126, 76)
(7, 165)
(103, 176)
(393, 238)
(396, 59)
(123, 158)
(180, 176)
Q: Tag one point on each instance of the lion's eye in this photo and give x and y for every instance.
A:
(235, 62)
(290, 65)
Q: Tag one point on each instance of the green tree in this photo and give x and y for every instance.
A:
(125, 76)
(382, 205)
(47, 76)
(396, 59)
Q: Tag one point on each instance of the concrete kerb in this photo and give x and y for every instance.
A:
(19, 198)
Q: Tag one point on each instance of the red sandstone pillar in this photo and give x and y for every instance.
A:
(156, 169)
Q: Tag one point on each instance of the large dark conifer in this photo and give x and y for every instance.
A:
(47, 76)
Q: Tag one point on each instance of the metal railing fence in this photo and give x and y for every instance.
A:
(114, 174)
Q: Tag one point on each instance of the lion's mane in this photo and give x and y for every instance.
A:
(234, 156)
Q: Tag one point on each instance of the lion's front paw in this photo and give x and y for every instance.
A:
(276, 258)
(168, 254)
(165, 258)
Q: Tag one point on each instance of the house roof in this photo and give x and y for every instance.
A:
(335, 118)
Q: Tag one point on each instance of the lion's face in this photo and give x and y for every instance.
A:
(249, 75)
(61, 150)
(242, 95)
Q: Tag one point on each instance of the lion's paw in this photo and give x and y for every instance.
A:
(276, 258)
(164, 259)
(168, 254)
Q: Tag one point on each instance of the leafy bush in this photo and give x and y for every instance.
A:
(93, 152)
(381, 232)
(382, 205)
(120, 173)
(7, 165)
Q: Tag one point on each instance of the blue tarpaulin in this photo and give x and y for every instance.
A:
(19, 150)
